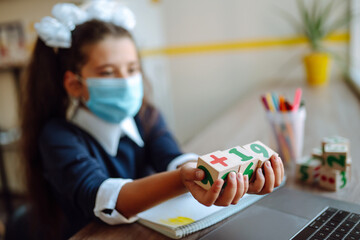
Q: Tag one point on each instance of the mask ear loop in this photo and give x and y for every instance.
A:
(81, 100)
(80, 79)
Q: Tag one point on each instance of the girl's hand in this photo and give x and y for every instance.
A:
(237, 186)
(274, 174)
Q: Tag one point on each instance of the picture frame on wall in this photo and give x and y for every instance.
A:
(12, 44)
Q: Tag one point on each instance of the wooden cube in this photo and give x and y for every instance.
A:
(308, 169)
(336, 140)
(332, 179)
(318, 153)
(249, 162)
(336, 156)
(216, 165)
(348, 167)
(260, 150)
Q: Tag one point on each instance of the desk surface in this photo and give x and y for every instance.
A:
(331, 110)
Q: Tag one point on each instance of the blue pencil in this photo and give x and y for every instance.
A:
(276, 101)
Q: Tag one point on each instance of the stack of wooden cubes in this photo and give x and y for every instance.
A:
(329, 166)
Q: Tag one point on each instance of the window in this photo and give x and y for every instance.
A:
(355, 45)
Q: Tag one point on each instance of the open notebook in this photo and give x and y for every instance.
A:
(181, 216)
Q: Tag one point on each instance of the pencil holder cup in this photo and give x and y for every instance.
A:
(288, 130)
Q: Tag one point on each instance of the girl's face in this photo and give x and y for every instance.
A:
(113, 57)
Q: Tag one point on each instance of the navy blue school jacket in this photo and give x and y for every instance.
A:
(75, 164)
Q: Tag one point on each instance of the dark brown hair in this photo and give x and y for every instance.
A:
(44, 98)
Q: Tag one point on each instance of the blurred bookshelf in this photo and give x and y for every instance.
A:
(13, 58)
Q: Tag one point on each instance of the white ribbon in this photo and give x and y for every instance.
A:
(53, 33)
(109, 11)
(56, 32)
(69, 14)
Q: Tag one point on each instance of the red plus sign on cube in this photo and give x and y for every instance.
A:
(216, 165)
(220, 160)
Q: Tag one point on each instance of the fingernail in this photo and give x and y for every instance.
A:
(267, 163)
(232, 175)
(273, 157)
(198, 174)
(259, 171)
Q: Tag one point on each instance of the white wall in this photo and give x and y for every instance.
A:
(150, 33)
(205, 85)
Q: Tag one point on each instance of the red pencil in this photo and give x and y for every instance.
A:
(288, 106)
(263, 99)
(297, 99)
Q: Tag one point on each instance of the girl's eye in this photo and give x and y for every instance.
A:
(106, 73)
(133, 69)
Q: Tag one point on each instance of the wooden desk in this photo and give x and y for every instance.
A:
(330, 110)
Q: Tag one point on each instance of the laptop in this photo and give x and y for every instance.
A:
(291, 214)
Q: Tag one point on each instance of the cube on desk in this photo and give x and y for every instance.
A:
(335, 169)
(308, 169)
(318, 154)
(332, 179)
(336, 156)
(335, 140)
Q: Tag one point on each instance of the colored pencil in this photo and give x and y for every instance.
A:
(297, 99)
(270, 102)
(263, 99)
(275, 101)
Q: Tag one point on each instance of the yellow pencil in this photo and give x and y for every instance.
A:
(270, 102)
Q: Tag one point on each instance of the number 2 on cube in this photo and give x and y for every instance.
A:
(340, 161)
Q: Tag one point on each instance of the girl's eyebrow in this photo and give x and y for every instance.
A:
(134, 63)
(113, 65)
(105, 65)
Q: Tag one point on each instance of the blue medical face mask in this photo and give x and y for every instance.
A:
(114, 99)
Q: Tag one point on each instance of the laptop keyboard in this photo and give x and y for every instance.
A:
(331, 224)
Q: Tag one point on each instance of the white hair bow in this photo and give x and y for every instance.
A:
(56, 32)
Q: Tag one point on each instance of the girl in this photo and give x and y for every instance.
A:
(94, 164)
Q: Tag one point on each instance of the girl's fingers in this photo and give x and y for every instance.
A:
(259, 182)
(240, 188)
(246, 184)
(269, 178)
(212, 194)
(276, 166)
(192, 173)
(282, 170)
(229, 192)
(195, 190)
